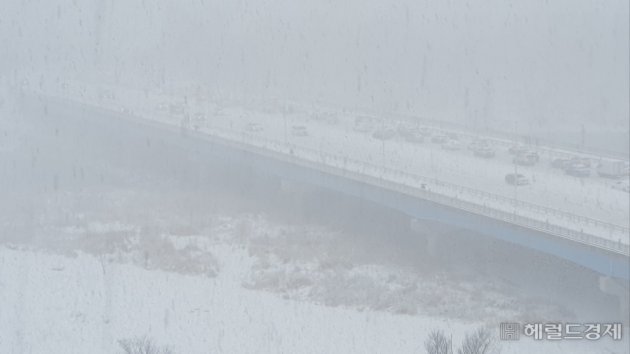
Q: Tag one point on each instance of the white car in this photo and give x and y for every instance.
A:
(253, 128)
(439, 139)
(363, 124)
(299, 130)
(452, 144)
(623, 185)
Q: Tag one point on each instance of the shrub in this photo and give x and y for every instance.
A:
(142, 345)
(438, 343)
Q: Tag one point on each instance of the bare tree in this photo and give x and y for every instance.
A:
(479, 342)
(142, 345)
(438, 343)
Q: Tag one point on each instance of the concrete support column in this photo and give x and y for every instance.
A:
(615, 287)
(432, 244)
(430, 235)
(294, 197)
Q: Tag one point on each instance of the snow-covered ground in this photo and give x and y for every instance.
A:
(243, 285)
(244, 292)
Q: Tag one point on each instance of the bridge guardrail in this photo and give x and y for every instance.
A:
(322, 162)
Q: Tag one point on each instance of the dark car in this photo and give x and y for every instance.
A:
(414, 136)
(404, 129)
(384, 134)
(516, 179)
(176, 109)
(517, 149)
(578, 170)
(424, 131)
(253, 128)
(299, 130)
(410, 133)
(486, 152)
(526, 159)
(439, 139)
(478, 144)
(561, 163)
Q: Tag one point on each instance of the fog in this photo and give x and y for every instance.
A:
(279, 176)
(545, 62)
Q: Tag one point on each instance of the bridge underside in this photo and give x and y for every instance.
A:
(605, 263)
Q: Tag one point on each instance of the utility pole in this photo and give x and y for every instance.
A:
(284, 117)
(515, 168)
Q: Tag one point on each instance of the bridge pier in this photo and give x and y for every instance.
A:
(433, 242)
(615, 287)
(295, 198)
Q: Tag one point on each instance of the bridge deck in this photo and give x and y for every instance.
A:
(405, 178)
(438, 201)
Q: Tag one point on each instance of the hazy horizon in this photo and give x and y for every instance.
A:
(538, 62)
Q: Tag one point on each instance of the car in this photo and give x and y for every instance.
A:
(404, 128)
(561, 163)
(526, 158)
(363, 124)
(439, 139)
(578, 170)
(412, 135)
(325, 117)
(581, 160)
(299, 130)
(623, 185)
(532, 155)
(424, 131)
(384, 134)
(162, 107)
(516, 179)
(486, 152)
(253, 128)
(517, 149)
(452, 144)
(610, 168)
(198, 120)
(105, 95)
(177, 109)
(416, 137)
(478, 144)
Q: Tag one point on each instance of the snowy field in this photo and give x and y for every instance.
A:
(236, 289)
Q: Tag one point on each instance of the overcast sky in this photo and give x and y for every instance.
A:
(487, 61)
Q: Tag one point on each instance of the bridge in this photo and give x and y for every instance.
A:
(597, 245)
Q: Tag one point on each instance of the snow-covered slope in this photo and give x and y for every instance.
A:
(85, 304)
